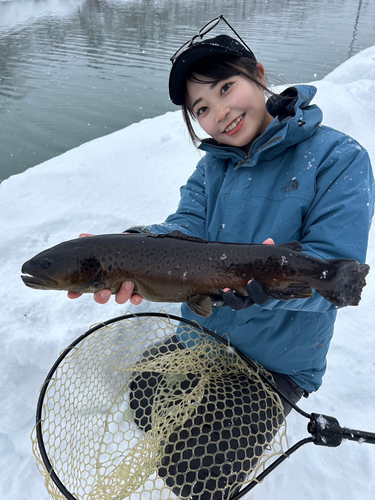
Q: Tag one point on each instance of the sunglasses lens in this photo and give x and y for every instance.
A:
(209, 26)
(181, 50)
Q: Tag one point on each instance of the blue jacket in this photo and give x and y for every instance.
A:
(300, 181)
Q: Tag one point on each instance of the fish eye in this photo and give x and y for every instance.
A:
(45, 263)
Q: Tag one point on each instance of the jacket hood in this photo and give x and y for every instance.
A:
(295, 120)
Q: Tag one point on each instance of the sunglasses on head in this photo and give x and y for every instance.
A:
(208, 27)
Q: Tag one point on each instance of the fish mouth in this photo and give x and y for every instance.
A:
(45, 283)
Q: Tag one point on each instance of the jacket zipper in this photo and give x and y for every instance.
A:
(241, 162)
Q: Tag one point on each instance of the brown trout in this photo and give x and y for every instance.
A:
(178, 268)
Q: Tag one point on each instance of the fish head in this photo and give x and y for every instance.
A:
(63, 268)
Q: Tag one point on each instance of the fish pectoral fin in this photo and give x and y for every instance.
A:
(291, 245)
(291, 290)
(99, 285)
(200, 304)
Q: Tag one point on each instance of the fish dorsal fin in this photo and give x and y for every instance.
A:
(200, 304)
(292, 245)
(180, 236)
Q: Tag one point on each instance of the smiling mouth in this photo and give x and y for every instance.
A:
(234, 124)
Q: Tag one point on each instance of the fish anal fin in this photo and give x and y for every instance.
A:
(291, 290)
(98, 285)
(200, 305)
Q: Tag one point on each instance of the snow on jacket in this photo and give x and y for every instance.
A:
(300, 181)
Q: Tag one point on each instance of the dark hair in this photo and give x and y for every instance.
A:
(216, 68)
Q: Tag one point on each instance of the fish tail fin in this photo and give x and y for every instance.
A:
(343, 281)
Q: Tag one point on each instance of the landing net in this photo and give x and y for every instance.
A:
(152, 408)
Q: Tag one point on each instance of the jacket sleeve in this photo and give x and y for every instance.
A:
(338, 221)
(190, 217)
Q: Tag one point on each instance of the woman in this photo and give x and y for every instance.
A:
(271, 170)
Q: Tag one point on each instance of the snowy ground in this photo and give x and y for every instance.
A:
(132, 177)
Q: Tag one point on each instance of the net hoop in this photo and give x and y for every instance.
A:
(40, 449)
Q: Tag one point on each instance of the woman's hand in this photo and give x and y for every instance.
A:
(123, 295)
(268, 241)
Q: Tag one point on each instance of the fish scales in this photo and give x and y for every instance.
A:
(154, 264)
(178, 268)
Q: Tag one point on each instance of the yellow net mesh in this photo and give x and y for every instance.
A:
(152, 408)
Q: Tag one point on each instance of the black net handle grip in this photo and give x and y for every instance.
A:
(326, 431)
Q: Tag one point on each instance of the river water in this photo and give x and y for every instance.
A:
(75, 70)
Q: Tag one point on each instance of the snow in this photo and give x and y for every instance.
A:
(132, 177)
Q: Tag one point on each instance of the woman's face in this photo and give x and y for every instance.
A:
(233, 111)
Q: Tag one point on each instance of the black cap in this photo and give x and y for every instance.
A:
(221, 44)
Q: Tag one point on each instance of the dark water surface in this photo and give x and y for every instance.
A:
(75, 70)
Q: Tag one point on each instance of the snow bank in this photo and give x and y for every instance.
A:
(132, 177)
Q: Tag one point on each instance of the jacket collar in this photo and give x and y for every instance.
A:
(295, 120)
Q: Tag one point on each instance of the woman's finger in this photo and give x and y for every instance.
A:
(103, 296)
(125, 292)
